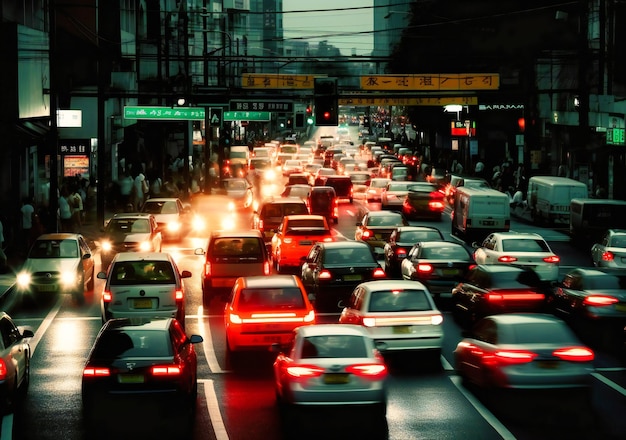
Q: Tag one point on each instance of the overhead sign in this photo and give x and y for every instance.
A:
(74, 147)
(262, 106)
(463, 128)
(215, 117)
(615, 136)
(163, 113)
(435, 82)
(432, 101)
(276, 81)
(247, 116)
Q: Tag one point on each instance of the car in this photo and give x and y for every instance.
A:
(174, 217)
(438, 176)
(330, 365)
(141, 368)
(228, 255)
(319, 175)
(593, 302)
(291, 166)
(298, 178)
(268, 215)
(294, 238)
(130, 232)
(360, 182)
(342, 184)
(393, 194)
(402, 240)
(611, 250)
(143, 284)
(521, 249)
(423, 201)
(400, 316)
(297, 190)
(376, 227)
(57, 263)
(524, 351)
(264, 310)
(239, 190)
(331, 270)
(492, 289)
(457, 181)
(322, 200)
(439, 265)
(15, 353)
(375, 188)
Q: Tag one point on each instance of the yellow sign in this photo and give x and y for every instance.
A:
(429, 100)
(276, 81)
(435, 82)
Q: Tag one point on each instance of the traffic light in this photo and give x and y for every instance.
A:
(225, 138)
(326, 102)
(309, 116)
(289, 123)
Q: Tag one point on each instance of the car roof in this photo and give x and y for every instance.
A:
(245, 233)
(345, 244)
(135, 324)
(513, 234)
(288, 199)
(332, 329)
(392, 285)
(270, 281)
(59, 236)
(417, 228)
(384, 213)
(163, 199)
(523, 318)
(437, 243)
(304, 216)
(139, 256)
(135, 215)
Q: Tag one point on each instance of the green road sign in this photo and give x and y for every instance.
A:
(247, 116)
(162, 113)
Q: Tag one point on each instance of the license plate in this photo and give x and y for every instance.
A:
(130, 378)
(352, 277)
(548, 364)
(143, 303)
(620, 307)
(339, 378)
(450, 271)
(271, 339)
(306, 243)
(402, 329)
(487, 222)
(47, 288)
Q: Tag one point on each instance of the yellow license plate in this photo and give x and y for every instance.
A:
(130, 378)
(339, 378)
(143, 303)
(47, 288)
(402, 329)
(352, 277)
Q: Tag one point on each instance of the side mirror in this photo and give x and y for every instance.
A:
(102, 275)
(185, 274)
(196, 339)
(198, 251)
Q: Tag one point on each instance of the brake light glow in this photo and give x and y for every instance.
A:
(304, 371)
(179, 295)
(367, 234)
(512, 357)
(234, 318)
(287, 240)
(166, 370)
(96, 372)
(266, 268)
(552, 259)
(424, 268)
(310, 317)
(106, 296)
(401, 253)
(207, 269)
(369, 322)
(575, 354)
(607, 256)
(372, 371)
(507, 259)
(325, 275)
(600, 300)
(3, 370)
(521, 296)
(379, 273)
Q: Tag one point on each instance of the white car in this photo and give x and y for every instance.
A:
(393, 195)
(143, 285)
(527, 250)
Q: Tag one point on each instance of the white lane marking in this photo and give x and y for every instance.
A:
(207, 345)
(482, 410)
(609, 383)
(41, 330)
(214, 410)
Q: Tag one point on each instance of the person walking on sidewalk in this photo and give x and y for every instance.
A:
(65, 211)
(28, 211)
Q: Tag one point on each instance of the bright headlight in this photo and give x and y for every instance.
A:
(198, 223)
(270, 175)
(173, 226)
(106, 246)
(231, 206)
(23, 279)
(145, 246)
(68, 278)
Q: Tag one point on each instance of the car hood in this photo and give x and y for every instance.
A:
(130, 238)
(50, 264)
(165, 218)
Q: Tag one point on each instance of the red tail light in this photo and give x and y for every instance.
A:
(512, 357)
(507, 259)
(607, 256)
(401, 253)
(379, 273)
(600, 300)
(266, 268)
(166, 370)
(371, 371)
(304, 371)
(179, 295)
(106, 296)
(367, 234)
(96, 372)
(325, 275)
(575, 354)
(207, 269)
(3, 370)
(552, 259)
(436, 206)
(261, 225)
(514, 296)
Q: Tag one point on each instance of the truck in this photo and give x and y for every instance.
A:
(479, 211)
(549, 198)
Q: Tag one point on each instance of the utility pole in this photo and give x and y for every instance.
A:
(53, 137)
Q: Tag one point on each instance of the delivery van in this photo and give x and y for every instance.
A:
(549, 198)
(590, 218)
(477, 212)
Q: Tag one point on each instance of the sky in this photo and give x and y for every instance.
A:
(325, 18)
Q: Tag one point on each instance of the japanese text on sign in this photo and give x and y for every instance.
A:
(432, 82)
(276, 81)
(425, 101)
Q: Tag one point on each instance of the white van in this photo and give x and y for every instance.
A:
(477, 212)
(590, 218)
(549, 197)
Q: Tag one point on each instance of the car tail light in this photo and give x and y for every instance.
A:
(607, 256)
(436, 319)
(502, 296)
(401, 253)
(367, 234)
(266, 268)
(371, 371)
(207, 269)
(511, 357)
(166, 370)
(436, 205)
(261, 225)
(96, 372)
(325, 275)
(507, 259)
(600, 300)
(233, 318)
(179, 295)
(424, 268)
(106, 296)
(304, 371)
(379, 273)
(287, 240)
(552, 259)
(575, 354)
(3, 369)
(310, 317)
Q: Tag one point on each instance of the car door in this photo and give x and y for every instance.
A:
(598, 248)
(156, 235)
(569, 294)
(407, 265)
(310, 268)
(13, 350)
(485, 254)
(87, 262)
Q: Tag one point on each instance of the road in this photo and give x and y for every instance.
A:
(240, 404)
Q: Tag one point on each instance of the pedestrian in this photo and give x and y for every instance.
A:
(76, 204)
(126, 188)
(140, 190)
(28, 211)
(155, 186)
(65, 211)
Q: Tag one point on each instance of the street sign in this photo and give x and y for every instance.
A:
(262, 106)
(247, 116)
(215, 117)
(423, 101)
(162, 113)
(435, 82)
(276, 81)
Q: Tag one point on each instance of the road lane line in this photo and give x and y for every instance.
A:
(482, 410)
(214, 410)
(209, 350)
(610, 383)
(41, 330)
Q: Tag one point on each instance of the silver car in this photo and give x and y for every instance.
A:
(611, 250)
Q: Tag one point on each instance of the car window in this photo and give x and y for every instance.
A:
(236, 246)
(604, 282)
(348, 256)
(618, 241)
(117, 344)
(295, 209)
(524, 245)
(140, 226)
(334, 346)
(414, 236)
(269, 299)
(444, 253)
(538, 333)
(45, 249)
(68, 249)
(399, 301)
(142, 272)
(306, 223)
(387, 220)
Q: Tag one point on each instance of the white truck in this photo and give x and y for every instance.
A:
(477, 212)
(549, 198)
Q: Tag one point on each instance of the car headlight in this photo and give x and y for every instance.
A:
(198, 223)
(106, 246)
(23, 279)
(173, 226)
(231, 206)
(145, 246)
(68, 278)
(270, 175)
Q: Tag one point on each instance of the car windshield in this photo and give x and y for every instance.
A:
(235, 184)
(537, 333)
(54, 249)
(307, 223)
(237, 247)
(348, 256)
(605, 282)
(618, 240)
(384, 220)
(399, 301)
(166, 207)
(450, 252)
(524, 245)
(415, 236)
(334, 346)
(270, 299)
(128, 226)
(142, 272)
(132, 343)
(399, 187)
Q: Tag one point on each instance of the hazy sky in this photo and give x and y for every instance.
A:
(332, 20)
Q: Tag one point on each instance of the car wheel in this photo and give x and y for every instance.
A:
(26, 380)
(206, 294)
